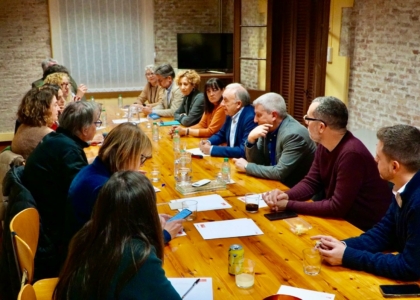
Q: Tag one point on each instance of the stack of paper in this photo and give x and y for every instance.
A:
(304, 294)
(120, 121)
(203, 290)
(204, 203)
(227, 229)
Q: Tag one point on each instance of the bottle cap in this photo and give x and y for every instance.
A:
(226, 159)
(176, 131)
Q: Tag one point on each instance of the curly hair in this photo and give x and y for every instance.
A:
(57, 78)
(34, 109)
(191, 75)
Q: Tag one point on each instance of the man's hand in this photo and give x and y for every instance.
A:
(205, 147)
(240, 164)
(259, 131)
(276, 200)
(331, 249)
(147, 109)
(81, 90)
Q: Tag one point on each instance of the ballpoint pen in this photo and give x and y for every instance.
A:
(189, 290)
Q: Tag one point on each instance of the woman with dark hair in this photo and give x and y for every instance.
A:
(118, 254)
(214, 115)
(37, 113)
(126, 147)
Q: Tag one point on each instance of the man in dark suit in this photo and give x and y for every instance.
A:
(280, 147)
(239, 123)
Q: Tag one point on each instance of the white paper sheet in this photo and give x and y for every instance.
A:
(260, 205)
(227, 229)
(304, 294)
(204, 203)
(156, 189)
(120, 121)
(202, 290)
(196, 151)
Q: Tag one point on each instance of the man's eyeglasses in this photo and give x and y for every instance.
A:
(98, 123)
(143, 158)
(307, 119)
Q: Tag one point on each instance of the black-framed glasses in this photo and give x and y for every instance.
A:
(143, 158)
(307, 119)
(98, 123)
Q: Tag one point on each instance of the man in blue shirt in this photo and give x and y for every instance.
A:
(398, 159)
(239, 123)
(280, 147)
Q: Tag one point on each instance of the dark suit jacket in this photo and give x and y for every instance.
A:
(245, 125)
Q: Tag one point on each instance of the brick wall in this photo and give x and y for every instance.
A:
(385, 63)
(25, 42)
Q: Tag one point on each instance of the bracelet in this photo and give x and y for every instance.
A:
(188, 131)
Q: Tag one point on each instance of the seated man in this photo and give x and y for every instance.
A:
(173, 97)
(398, 158)
(52, 166)
(280, 147)
(343, 169)
(239, 123)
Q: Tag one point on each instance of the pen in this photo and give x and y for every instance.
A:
(197, 155)
(189, 290)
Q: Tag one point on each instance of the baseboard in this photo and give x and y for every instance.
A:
(6, 136)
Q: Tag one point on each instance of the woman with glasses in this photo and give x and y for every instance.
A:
(152, 93)
(63, 81)
(119, 253)
(214, 115)
(37, 113)
(126, 147)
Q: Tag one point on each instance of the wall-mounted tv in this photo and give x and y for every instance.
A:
(205, 51)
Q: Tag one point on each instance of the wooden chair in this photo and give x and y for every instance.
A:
(41, 290)
(27, 292)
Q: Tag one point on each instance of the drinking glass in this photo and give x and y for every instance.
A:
(192, 206)
(245, 277)
(155, 174)
(311, 261)
(252, 202)
(183, 167)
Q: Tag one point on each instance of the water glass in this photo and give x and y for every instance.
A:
(311, 261)
(149, 123)
(133, 114)
(192, 206)
(245, 277)
(155, 174)
(183, 167)
(252, 202)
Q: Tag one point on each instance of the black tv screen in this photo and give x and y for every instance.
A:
(205, 51)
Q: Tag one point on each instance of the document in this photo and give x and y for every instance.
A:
(304, 294)
(120, 121)
(260, 205)
(204, 203)
(196, 151)
(203, 290)
(227, 229)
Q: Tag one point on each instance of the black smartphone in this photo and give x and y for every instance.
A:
(281, 215)
(400, 290)
(181, 215)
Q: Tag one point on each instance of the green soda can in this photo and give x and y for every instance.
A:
(236, 258)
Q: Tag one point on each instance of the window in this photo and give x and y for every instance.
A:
(105, 44)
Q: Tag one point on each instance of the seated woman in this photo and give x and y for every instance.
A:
(37, 112)
(126, 147)
(192, 107)
(118, 254)
(152, 93)
(63, 81)
(214, 115)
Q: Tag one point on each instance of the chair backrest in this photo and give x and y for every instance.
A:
(27, 292)
(24, 229)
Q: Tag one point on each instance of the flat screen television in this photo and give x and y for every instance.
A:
(205, 51)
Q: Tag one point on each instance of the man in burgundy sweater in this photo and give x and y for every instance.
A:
(343, 169)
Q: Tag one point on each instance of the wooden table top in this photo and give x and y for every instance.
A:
(277, 253)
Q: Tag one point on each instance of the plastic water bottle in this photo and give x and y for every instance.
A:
(155, 132)
(177, 141)
(225, 170)
(120, 101)
(103, 117)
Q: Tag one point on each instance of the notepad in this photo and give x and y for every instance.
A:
(203, 290)
(304, 294)
(169, 123)
(204, 203)
(228, 229)
(196, 151)
(120, 121)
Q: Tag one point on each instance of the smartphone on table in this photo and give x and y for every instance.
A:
(400, 290)
(281, 215)
(181, 215)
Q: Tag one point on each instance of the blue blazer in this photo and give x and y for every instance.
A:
(245, 125)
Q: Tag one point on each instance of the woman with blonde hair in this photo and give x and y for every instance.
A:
(119, 253)
(37, 112)
(152, 93)
(126, 147)
(63, 81)
(192, 107)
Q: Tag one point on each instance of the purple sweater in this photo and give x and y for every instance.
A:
(350, 179)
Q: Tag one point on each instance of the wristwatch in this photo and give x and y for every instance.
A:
(248, 144)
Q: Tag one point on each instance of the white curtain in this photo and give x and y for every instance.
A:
(105, 44)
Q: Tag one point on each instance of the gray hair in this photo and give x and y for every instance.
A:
(149, 68)
(401, 143)
(79, 115)
(48, 62)
(332, 111)
(272, 102)
(165, 70)
(240, 93)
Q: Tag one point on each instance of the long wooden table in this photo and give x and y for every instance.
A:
(277, 253)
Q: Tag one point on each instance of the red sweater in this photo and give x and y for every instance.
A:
(350, 180)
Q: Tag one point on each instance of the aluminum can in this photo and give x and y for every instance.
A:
(235, 258)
